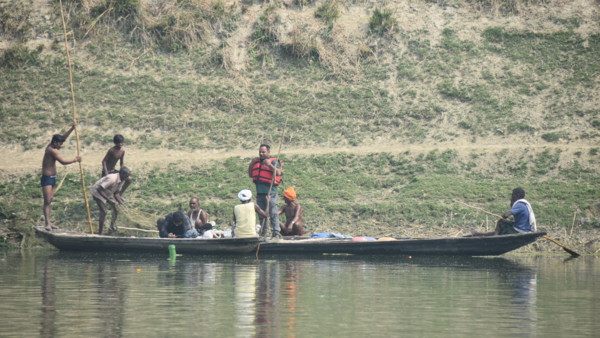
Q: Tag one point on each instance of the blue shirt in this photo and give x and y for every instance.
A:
(521, 214)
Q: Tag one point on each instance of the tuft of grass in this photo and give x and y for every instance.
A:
(554, 136)
(15, 20)
(593, 151)
(19, 56)
(303, 45)
(382, 21)
(328, 11)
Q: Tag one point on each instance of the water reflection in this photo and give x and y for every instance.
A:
(117, 296)
(110, 301)
(47, 327)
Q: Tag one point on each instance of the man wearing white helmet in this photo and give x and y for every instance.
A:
(244, 216)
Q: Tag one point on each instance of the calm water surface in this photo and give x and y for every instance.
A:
(58, 294)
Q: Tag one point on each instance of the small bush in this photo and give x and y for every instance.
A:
(19, 56)
(303, 45)
(465, 125)
(328, 12)
(383, 22)
(596, 124)
(553, 137)
(15, 19)
(302, 3)
(593, 151)
(265, 26)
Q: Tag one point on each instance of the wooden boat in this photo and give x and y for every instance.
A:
(456, 246)
(78, 241)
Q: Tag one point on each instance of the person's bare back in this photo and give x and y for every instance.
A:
(114, 155)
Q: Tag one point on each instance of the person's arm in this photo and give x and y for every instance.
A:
(298, 215)
(102, 192)
(56, 156)
(163, 229)
(276, 170)
(203, 217)
(122, 158)
(104, 166)
(281, 210)
(260, 212)
(66, 135)
(507, 214)
(252, 163)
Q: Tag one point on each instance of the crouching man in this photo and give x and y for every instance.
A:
(109, 190)
(176, 225)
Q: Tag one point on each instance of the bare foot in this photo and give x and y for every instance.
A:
(50, 226)
(53, 226)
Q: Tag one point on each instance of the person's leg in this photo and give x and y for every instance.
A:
(493, 233)
(297, 230)
(101, 214)
(274, 214)
(261, 201)
(113, 218)
(48, 192)
(191, 233)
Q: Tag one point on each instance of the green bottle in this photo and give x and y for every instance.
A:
(172, 252)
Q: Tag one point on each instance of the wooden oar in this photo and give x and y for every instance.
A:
(87, 205)
(570, 251)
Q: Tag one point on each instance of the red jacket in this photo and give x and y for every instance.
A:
(262, 173)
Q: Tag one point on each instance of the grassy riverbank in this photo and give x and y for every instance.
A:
(506, 91)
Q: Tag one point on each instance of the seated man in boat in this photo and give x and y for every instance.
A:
(109, 189)
(522, 212)
(244, 216)
(176, 225)
(196, 215)
(293, 214)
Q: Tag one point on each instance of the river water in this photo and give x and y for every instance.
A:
(62, 294)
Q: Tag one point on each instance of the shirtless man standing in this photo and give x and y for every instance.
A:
(49, 172)
(196, 215)
(114, 154)
(293, 214)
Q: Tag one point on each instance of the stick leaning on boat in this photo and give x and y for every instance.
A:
(568, 250)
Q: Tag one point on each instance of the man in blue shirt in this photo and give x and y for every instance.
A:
(519, 210)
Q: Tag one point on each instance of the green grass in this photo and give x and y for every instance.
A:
(345, 188)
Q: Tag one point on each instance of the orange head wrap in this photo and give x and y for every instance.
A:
(290, 193)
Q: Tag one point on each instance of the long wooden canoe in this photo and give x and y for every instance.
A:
(456, 246)
(78, 241)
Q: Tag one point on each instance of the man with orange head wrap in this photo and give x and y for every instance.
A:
(293, 214)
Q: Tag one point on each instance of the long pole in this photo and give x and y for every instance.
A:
(274, 174)
(87, 205)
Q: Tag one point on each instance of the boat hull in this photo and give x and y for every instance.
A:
(459, 246)
(75, 241)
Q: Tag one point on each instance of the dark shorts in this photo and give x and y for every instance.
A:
(508, 229)
(48, 180)
(111, 172)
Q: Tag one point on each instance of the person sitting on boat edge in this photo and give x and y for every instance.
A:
(48, 179)
(293, 214)
(176, 225)
(196, 215)
(244, 216)
(522, 212)
(109, 189)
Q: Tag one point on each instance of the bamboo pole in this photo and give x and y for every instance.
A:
(87, 205)
(274, 174)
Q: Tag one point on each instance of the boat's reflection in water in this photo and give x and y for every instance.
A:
(283, 297)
